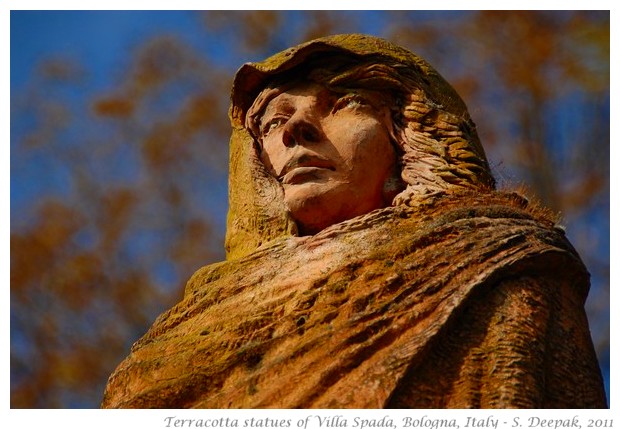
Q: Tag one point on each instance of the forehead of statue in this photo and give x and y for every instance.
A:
(307, 94)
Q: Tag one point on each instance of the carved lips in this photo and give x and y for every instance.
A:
(301, 168)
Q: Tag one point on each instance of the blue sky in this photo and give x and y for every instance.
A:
(100, 39)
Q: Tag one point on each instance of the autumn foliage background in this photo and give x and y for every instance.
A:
(118, 182)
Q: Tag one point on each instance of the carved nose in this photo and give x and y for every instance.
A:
(300, 132)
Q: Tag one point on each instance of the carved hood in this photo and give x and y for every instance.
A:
(440, 148)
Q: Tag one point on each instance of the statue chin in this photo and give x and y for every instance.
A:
(314, 205)
(318, 204)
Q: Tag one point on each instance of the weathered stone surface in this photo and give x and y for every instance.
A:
(449, 307)
(456, 295)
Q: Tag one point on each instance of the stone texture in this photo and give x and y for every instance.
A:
(467, 300)
(455, 296)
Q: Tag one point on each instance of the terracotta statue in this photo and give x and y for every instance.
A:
(370, 261)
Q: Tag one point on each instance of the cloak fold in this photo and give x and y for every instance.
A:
(466, 300)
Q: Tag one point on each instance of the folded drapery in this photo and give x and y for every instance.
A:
(466, 300)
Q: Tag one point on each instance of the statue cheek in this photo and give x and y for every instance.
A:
(372, 147)
(272, 157)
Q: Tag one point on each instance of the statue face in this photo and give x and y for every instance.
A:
(331, 152)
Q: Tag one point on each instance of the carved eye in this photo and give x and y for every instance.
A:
(350, 101)
(272, 125)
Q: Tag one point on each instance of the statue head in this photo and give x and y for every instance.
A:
(338, 127)
(329, 147)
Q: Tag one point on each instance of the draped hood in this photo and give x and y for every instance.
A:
(439, 145)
